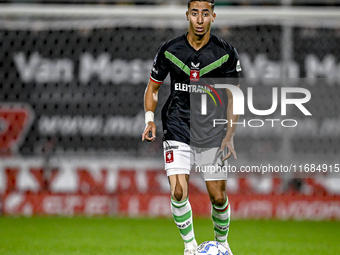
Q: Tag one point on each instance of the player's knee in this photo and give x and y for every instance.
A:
(178, 192)
(177, 196)
(218, 200)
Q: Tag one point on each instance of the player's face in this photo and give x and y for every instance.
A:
(200, 16)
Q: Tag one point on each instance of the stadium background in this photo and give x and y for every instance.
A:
(71, 107)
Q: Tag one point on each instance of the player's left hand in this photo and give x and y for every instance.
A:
(228, 142)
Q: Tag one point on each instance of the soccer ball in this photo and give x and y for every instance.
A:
(212, 248)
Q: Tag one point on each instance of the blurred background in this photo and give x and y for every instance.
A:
(72, 79)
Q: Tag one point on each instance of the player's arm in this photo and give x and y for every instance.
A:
(228, 140)
(150, 103)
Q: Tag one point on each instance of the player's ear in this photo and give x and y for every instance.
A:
(214, 16)
(187, 13)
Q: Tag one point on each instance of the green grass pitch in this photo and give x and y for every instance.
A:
(120, 235)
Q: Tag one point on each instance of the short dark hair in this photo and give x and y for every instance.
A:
(210, 1)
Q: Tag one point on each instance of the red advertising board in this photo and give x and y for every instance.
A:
(110, 190)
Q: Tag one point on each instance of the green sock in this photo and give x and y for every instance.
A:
(182, 214)
(221, 220)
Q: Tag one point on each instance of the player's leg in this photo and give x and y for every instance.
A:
(177, 166)
(220, 210)
(181, 211)
(216, 183)
(181, 208)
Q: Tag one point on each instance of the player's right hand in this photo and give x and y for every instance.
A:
(149, 133)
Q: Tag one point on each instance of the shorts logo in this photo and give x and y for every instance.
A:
(171, 147)
(169, 156)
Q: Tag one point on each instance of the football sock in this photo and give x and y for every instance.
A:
(182, 214)
(221, 219)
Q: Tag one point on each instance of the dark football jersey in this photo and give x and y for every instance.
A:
(192, 74)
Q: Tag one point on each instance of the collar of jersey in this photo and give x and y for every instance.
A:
(192, 48)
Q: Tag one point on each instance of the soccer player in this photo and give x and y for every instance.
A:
(189, 58)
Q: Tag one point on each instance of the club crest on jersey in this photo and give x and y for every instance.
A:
(194, 72)
(169, 156)
(194, 75)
